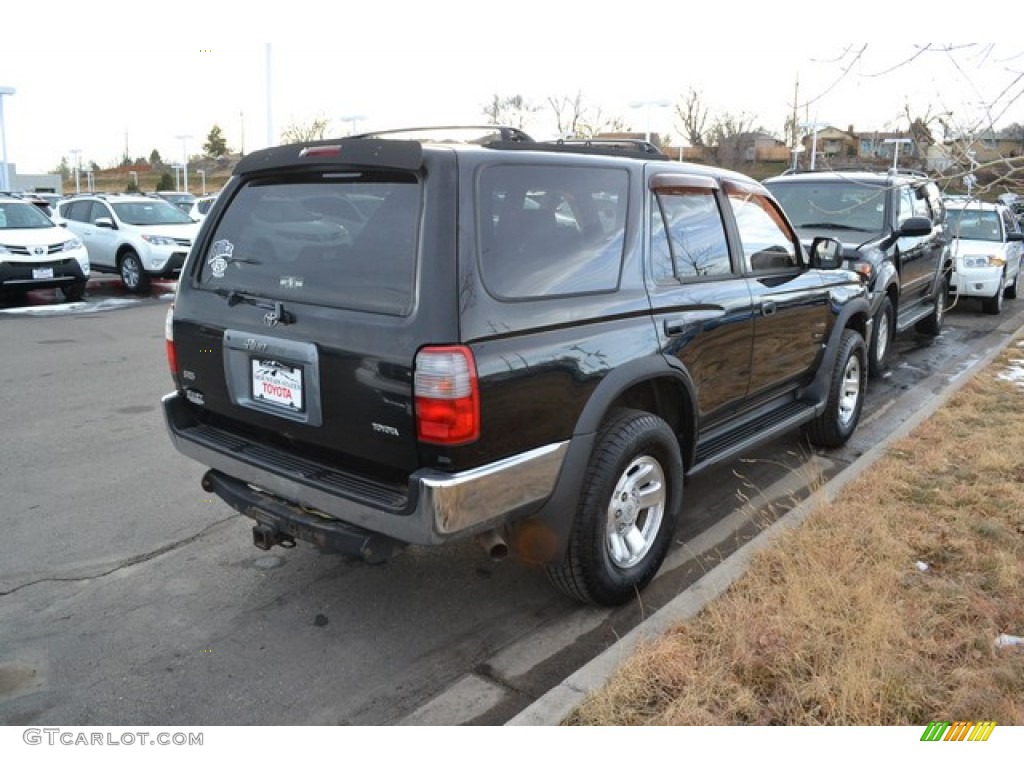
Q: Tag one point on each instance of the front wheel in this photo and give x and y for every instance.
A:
(73, 292)
(133, 275)
(1011, 289)
(993, 305)
(845, 395)
(932, 325)
(627, 512)
(878, 351)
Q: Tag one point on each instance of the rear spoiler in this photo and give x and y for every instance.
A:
(370, 153)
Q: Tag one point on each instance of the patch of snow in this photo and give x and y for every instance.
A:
(921, 566)
(1014, 373)
(1007, 640)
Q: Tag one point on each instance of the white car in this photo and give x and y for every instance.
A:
(987, 249)
(134, 236)
(200, 207)
(36, 253)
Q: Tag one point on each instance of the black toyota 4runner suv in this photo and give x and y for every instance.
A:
(893, 227)
(380, 341)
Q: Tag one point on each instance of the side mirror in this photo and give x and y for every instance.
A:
(916, 226)
(826, 253)
(106, 222)
(1015, 237)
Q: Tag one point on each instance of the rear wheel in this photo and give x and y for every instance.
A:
(845, 396)
(627, 512)
(133, 275)
(878, 352)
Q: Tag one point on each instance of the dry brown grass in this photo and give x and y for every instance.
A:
(835, 624)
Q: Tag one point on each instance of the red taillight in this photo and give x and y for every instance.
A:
(328, 150)
(172, 358)
(447, 398)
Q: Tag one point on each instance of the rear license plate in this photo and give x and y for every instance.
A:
(42, 273)
(277, 383)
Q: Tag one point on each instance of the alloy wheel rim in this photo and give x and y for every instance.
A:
(635, 512)
(130, 272)
(850, 391)
(882, 345)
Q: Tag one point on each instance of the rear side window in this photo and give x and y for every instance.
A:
(768, 243)
(551, 231)
(687, 235)
(341, 240)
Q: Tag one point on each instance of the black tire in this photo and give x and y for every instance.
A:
(993, 305)
(618, 542)
(881, 339)
(1011, 289)
(932, 325)
(132, 274)
(845, 394)
(73, 292)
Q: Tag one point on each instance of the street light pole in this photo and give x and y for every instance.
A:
(135, 178)
(648, 104)
(813, 127)
(78, 162)
(184, 161)
(5, 181)
(896, 149)
(353, 121)
(202, 175)
(177, 183)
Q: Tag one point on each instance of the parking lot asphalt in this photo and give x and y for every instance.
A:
(553, 707)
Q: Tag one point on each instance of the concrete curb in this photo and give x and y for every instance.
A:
(560, 701)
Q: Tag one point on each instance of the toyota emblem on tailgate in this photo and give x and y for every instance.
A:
(271, 319)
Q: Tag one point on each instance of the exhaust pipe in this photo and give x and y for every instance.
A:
(493, 544)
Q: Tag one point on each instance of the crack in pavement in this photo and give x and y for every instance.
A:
(125, 563)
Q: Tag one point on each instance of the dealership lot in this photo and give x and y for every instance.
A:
(129, 596)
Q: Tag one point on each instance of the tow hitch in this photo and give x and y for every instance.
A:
(265, 536)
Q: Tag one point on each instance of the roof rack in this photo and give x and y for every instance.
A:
(628, 145)
(907, 172)
(489, 134)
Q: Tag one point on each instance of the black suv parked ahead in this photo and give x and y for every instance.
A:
(893, 228)
(378, 342)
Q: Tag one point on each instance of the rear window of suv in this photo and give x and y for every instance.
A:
(345, 240)
(551, 230)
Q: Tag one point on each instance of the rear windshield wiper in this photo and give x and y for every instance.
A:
(280, 314)
(237, 297)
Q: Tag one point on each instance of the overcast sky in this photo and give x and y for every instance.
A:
(124, 83)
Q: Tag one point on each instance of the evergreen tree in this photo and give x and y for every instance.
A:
(216, 145)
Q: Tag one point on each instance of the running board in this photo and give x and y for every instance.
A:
(915, 315)
(739, 439)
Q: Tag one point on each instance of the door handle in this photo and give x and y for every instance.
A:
(768, 308)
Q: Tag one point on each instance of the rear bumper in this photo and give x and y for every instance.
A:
(434, 508)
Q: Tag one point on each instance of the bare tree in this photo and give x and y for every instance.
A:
(731, 135)
(314, 130)
(569, 111)
(513, 111)
(693, 116)
(984, 85)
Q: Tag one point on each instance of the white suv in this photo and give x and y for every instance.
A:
(135, 236)
(36, 253)
(987, 251)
